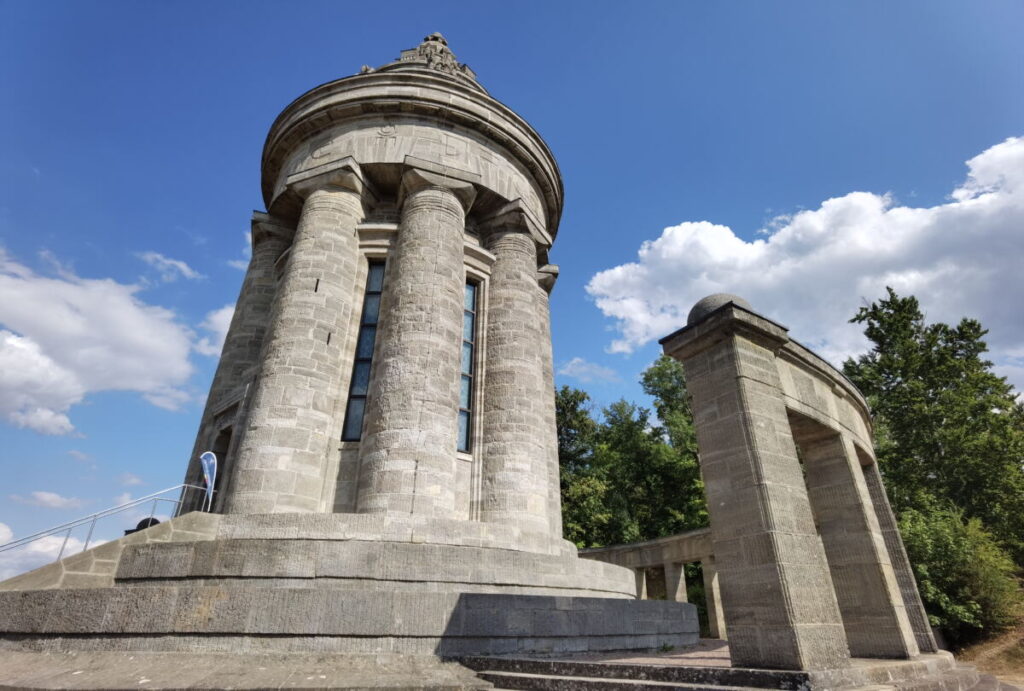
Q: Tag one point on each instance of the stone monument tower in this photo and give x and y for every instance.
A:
(390, 350)
(383, 411)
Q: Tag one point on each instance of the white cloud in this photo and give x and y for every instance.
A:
(243, 263)
(813, 270)
(587, 372)
(36, 391)
(80, 456)
(6, 534)
(49, 500)
(129, 479)
(217, 323)
(169, 269)
(67, 336)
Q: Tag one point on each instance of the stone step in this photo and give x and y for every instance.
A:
(717, 677)
(930, 673)
(547, 682)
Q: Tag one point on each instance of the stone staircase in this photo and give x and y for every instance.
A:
(930, 673)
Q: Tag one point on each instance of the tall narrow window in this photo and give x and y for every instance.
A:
(466, 383)
(353, 427)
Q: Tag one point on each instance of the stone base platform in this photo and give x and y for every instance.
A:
(334, 584)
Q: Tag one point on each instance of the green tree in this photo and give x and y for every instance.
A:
(626, 478)
(949, 435)
(947, 427)
(583, 485)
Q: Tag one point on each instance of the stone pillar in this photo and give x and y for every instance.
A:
(240, 354)
(713, 596)
(407, 454)
(548, 434)
(282, 453)
(675, 582)
(780, 606)
(873, 614)
(516, 468)
(900, 563)
(640, 575)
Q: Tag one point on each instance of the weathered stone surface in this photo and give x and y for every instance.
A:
(807, 576)
(407, 455)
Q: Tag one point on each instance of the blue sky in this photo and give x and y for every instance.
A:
(803, 154)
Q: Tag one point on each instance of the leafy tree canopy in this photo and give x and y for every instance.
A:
(629, 477)
(947, 427)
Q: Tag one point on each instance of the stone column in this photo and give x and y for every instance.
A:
(713, 597)
(873, 614)
(675, 582)
(516, 467)
(240, 354)
(640, 574)
(407, 454)
(900, 563)
(780, 606)
(282, 453)
(548, 434)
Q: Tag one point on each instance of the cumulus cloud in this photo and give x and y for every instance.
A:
(129, 479)
(64, 337)
(587, 372)
(169, 270)
(6, 534)
(813, 269)
(49, 500)
(217, 323)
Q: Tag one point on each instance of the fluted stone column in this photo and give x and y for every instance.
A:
(244, 339)
(548, 432)
(282, 453)
(516, 470)
(407, 454)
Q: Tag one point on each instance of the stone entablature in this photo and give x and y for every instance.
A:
(381, 118)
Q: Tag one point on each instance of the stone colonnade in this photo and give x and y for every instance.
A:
(305, 286)
(812, 570)
(670, 555)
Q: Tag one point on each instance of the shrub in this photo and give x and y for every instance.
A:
(967, 581)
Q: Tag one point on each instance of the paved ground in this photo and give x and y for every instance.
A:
(108, 670)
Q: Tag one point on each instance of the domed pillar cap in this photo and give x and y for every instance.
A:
(706, 306)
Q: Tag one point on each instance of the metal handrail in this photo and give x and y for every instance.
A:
(92, 518)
